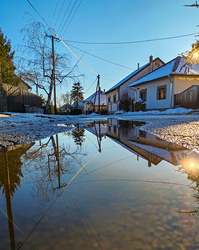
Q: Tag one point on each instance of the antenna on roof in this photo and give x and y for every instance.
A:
(193, 5)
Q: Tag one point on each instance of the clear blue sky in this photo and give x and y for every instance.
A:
(108, 21)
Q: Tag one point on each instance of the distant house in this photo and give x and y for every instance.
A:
(79, 106)
(175, 83)
(114, 94)
(65, 108)
(91, 104)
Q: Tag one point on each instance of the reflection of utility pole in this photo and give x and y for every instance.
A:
(58, 162)
(56, 150)
(9, 203)
(99, 138)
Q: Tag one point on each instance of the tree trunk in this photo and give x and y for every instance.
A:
(49, 96)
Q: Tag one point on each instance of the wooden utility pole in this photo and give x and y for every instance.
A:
(99, 90)
(53, 73)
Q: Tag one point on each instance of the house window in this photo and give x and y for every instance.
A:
(161, 92)
(114, 98)
(143, 94)
(109, 99)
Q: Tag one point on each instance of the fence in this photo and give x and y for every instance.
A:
(13, 99)
(189, 98)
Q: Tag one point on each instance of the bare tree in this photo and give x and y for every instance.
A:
(36, 67)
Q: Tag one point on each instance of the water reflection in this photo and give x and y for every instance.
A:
(146, 145)
(102, 208)
(10, 180)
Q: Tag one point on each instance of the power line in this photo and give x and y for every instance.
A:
(72, 16)
(90, 86)
(55, 9)
(62, 40)
(60, 11)
(51, 19)
(70, 13)
(65, 13)
(132, 42)
(101, 58)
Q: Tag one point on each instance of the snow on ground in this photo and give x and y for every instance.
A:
(173, 125)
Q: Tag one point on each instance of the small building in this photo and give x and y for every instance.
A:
(114, 94)
(16, 99)
(175, 83)
(93, 103)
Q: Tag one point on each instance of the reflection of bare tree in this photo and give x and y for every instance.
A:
(78, 135)
(192, 174)
(10, 180)
(49, 162)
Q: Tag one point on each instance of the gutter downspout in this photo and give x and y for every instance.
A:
(171, 92)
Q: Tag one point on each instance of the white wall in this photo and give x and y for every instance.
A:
(184, 82)
(112, 107)
(152, 102)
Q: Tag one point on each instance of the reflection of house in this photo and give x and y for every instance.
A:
(99, 128)
(172, 84)
(148, 146)
(91, 104)
(115, 93)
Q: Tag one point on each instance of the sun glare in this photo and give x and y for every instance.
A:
(192, 165)
(196, 54)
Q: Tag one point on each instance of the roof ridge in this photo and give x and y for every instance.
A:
(127, 77)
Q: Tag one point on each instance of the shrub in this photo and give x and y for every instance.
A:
(76, 112)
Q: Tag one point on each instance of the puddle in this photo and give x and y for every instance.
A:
(102, 185)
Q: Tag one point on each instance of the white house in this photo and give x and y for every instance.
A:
(159, 88)
(92, 103)
(114, 94)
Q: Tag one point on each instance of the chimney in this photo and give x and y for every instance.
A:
(138, 65)
(104, 91)
(151, 63)
(99, 89)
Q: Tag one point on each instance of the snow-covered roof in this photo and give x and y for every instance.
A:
(127, 77)
(80, 105)
(64, 107)
(91, 98)
(176, 66)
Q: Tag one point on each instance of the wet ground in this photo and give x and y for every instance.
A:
(102, 185)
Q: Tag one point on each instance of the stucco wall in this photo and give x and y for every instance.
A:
(184, 82)
(152, 102)
(112, 107)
